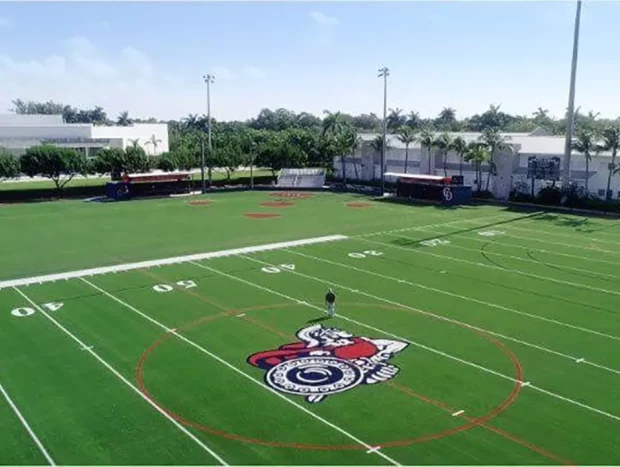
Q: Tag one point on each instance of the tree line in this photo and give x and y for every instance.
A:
(282, 138)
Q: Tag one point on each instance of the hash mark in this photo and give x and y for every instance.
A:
(456, 414)
(241, 315)
(87, 348)
(580, 360)
(526, 383)
(373, 450)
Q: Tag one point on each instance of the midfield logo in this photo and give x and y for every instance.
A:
(327, 361)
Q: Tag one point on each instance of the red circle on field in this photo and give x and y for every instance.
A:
(199, 202)
(277, 204)
(291, 194)
(261, 215)
(507, 402)
(358, 205)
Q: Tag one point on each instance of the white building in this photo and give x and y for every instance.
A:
(365, 164)
(19, 132)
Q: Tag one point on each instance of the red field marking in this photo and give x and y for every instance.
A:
(261, 215)
(291, 194)
(199, 202)
(358, 205)
(505, 434)
(473, 422)
(277, 204)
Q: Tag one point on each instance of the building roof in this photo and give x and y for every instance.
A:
(529, 143)
(30, 120)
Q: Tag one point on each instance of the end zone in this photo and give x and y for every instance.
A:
(166, 261)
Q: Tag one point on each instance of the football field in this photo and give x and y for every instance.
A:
(193, 332)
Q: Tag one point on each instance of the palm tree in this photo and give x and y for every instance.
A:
(377, 145)
(477, 154)
(541, 114)
(123, 119)
(191, 121)
(459, 146)
(153, 141)
(407, 136)
(135, 143)
(333, 129)
(395, 120)
(427, 140)
(611, 142)
(351, 141)
(414, 120)
(332, 124)
(493, 139)
(584, 143)
(444, 143)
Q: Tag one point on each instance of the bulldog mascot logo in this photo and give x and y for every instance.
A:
(327, 361)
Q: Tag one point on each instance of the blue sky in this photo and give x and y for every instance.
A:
(148, 58)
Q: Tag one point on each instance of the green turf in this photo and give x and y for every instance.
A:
(76, 182)
(481, 314)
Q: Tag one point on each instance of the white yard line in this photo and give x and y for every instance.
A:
(568, 245)
(521, 247)
(166, 261)
(83, 346)
(461, 297)
(26, 425)
(460, 221)
(387, 333)
(238, 371)
(497, 268)
(573, 236)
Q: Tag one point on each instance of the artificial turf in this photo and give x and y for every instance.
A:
(511, 323)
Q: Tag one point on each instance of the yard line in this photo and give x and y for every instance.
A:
(26, 425)
(521, 247)
(565, 235)
(122, 378)
(462, 297)
(483, 265)
(569, 245)
(237, 370)
(437, 225)
(165, 261)
(387, 333)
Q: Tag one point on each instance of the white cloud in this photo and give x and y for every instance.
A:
(84, 76)
(223, 73)
(324, 20)
(253, 72)
(323, 27)
(4, 22)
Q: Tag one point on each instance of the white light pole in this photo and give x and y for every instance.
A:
(570, 118)
(209, 79)
(384, 73)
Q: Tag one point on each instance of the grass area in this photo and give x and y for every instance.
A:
(77, 182)
(478, 336)
(48, 184)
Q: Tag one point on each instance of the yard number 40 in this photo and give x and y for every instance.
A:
(365, 254)
(27, 311)
(164, 288)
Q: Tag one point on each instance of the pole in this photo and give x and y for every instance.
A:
(252, 166)
(570, 120)
(202, 164)
(209, 79)
(384, 72)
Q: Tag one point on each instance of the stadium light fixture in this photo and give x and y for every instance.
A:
(384, 73)
(570, 117)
